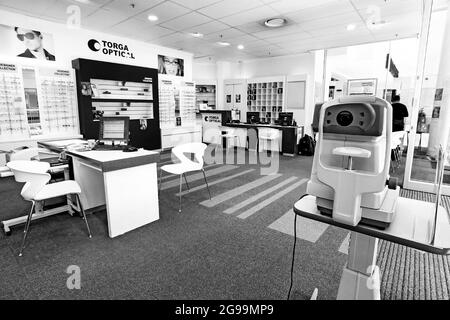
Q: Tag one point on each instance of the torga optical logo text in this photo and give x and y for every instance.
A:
(111, 48)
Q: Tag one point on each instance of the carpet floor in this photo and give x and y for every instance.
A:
(238, 245)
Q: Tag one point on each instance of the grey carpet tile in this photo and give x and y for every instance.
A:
(201, 253)
(409, 274)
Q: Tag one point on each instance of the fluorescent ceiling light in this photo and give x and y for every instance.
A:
(275, 22)
(152, 17)
(351, 27)
(240, 47)
(224, 44)
(83, 1)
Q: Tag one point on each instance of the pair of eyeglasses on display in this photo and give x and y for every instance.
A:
(28, 35)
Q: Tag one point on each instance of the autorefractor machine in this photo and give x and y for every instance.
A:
(351, 163)
(350, 188)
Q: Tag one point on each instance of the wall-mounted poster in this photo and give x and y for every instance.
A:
(171, 66)
(365, 87)
(26, 43)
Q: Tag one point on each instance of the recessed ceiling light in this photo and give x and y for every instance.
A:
(152, 17)
(197, 34)
(83, 1)
(241, 47)
(224, 44)
(275, 22)
(351, 27)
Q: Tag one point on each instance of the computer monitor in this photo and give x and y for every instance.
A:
(253, 117)
(285, 118)
(114, 129)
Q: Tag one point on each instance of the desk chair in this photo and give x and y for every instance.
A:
(186, 164)
(37, 189)
(266, 135)
(25, 154)
(230, 135)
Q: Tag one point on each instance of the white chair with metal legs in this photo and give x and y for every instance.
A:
(186, 164)
(37, 189)
(268, 136)
(23, 154)
(230, 135)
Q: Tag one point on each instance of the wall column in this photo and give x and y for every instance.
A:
(440, 123)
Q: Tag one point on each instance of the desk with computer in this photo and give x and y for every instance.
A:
(285, 133)
(114, 176)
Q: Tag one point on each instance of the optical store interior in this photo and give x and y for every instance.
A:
(224, 150)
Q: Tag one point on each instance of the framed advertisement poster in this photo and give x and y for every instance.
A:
(362, 87)
(23, 42)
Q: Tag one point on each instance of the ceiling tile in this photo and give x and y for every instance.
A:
(35, 8)
(164, 11)
(226, 8)
(103, 19)
(207, 28)
(155, 32)
(287, 6)
(195, 4)
(330, 21)
(224, 35)
(58, 10)
(126, 7)
(277, 32)
(261, 13)
(187, 21)
(322, 11)
(252, 27)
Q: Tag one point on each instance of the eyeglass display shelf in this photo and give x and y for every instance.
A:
(413, 224)
(120, 100)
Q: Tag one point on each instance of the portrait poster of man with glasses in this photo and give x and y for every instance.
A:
(26, 43)
(170, 66)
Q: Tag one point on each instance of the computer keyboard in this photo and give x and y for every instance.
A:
(107, 147)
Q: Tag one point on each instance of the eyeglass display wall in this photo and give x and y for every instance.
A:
(177, 100)
(188, 110)
(58, 102)
(167, 104)
(111, 89)
(36, 103)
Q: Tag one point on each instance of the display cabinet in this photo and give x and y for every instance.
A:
(111, 89)
(205, 96)
(266, 96)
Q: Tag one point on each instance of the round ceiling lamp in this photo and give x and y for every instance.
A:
(275, 22)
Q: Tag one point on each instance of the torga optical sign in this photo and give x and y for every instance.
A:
(111, 48)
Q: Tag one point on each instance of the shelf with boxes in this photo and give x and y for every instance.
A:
(266, 96)
(122, 98)
(205, 96)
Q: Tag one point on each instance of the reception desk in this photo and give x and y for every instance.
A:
(126, 183)
(123, 183)
(248, 136)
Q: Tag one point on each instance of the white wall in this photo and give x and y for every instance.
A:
(303, 64)
(207, 71)
(71, 44)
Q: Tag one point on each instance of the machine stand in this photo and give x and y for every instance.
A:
(361, 277)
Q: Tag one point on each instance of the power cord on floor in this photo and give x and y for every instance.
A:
(293, 250)
(293, 256)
